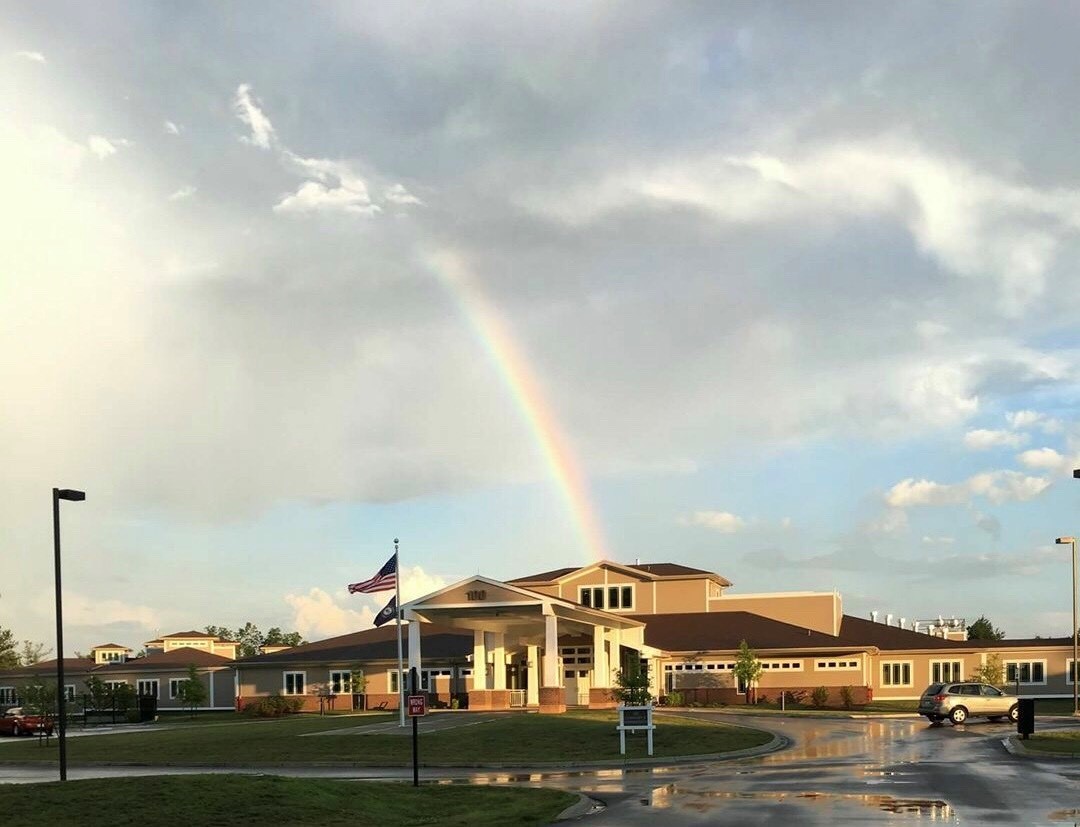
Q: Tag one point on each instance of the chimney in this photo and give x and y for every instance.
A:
(873, 616)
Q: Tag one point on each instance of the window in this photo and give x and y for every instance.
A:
(990, 692)
(830, 665)
(1070, 671)
(114, 684)
(340, 683)
(1025, 671)
(148, 688)
(946, 671)
(782, 664)
(392, 681)
(174, 686)
(69, 692)
(294, 682)
(7, 695)
(593, 597)
(615, 598)
(897, 673)
(428, 676)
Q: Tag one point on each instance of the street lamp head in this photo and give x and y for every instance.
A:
(1064, 541)
(1076, 473)
(71, 494)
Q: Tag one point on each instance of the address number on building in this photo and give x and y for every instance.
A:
(417, 706)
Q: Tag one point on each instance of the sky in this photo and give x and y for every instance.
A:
(784, 292)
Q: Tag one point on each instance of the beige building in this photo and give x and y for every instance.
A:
(557, 639)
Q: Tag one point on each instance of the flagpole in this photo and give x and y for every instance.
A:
(400, 657)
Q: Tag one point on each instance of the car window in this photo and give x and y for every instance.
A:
(967, 689)
(991, 691)
(933, 689)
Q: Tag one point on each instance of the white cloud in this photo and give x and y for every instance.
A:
(722, 521)
(1023, 419)
(938, 541)
(182, 193)
(313, 196)
(996, 486)
(319, 614)
(103, 147)
(171, 128)
(1046, 458)
(34, 57)
(982, 439)
(397, 194)
(893, 521)
(247, 110)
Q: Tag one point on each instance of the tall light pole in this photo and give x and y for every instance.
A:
(1072, 541)
(61, 695)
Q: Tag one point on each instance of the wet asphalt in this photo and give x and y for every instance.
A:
(835, 771)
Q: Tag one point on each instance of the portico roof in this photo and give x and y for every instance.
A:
(483, 604)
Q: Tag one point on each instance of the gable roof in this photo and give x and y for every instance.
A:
(651, 571)
(156, 661)
(111, 646)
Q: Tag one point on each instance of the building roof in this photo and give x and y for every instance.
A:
(48, 667)
(112, 646)
(724, 631)
(869, 633)
(372, 644)
(1021, 643)
(652, 569)
(156, 661)
(193, 634)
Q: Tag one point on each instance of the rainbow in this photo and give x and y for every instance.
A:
(494, 335)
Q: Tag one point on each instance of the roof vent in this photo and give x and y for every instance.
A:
(888, 619)
(903, 622)
(873, 616)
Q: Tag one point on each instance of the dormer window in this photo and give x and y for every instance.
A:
(614, 598)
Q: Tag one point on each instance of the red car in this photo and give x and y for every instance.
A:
(16, 722)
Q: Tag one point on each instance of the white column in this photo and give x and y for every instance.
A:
(497, 644)
(601, 676)
(479, 661)
(614, 662)
(414, 652)
(532, 694)
(551, 651)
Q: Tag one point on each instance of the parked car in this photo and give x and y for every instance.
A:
(17, 722)
(960, 701)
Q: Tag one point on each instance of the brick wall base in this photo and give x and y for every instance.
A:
(552, 700)
(488, 699)
(601, 698)
(860, 695)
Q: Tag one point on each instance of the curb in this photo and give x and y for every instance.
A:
(1014, 745)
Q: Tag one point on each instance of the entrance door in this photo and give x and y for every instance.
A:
(576, 687)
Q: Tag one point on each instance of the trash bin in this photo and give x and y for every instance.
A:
(147, 708)
(1025, 723)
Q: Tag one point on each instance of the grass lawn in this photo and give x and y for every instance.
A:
(510, 739)
(198, 800)
(1062, 743)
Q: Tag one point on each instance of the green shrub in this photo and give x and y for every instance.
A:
(675, 699)
(273, 706)
(847, 696)
(819, 697)
(794, 696)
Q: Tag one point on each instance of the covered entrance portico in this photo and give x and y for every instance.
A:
(558, 653)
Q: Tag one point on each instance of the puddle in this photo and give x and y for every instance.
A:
(935, 810)
(1071, 816)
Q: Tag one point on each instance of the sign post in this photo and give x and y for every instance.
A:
(633, 718)
(418, 709)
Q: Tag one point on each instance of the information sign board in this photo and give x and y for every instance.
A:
(417, 706)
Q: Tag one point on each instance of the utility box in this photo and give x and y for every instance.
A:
(147, 708)
(1025, 723)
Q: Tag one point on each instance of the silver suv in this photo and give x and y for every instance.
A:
(959, 701)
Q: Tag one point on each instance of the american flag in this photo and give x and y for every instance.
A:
(384, 580)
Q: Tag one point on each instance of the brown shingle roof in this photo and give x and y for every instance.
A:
(655, 569)
(112, 646)
(373, 644)
(869, 633)
(545, 576)
(1024, 643)
(176, 659)
(724, 631)
(48, 667)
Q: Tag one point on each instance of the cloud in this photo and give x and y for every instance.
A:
(350, 196)
(318, 614)
(723, 522)
(938, 541)
(33, 57)
(982, 439)
(104, 147)
(1046, 458)
(247, 110)
(171, 128)
(397, 194)
(1024, 420)
(996, 486)
(893, 521)
(184, 192)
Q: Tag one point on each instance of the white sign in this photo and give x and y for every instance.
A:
(633, 718)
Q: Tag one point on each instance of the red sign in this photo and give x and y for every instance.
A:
(417, 706)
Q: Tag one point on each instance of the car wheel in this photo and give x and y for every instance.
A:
(958, 715)
(1014, 713)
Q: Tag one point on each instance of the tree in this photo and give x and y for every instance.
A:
(251, 640)
(983, 629)
(9, 656)
(39, 697)
(275, 637)
(32, 653)
(991, 672)
(191, 692)
(747, 668)
(632, 685)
